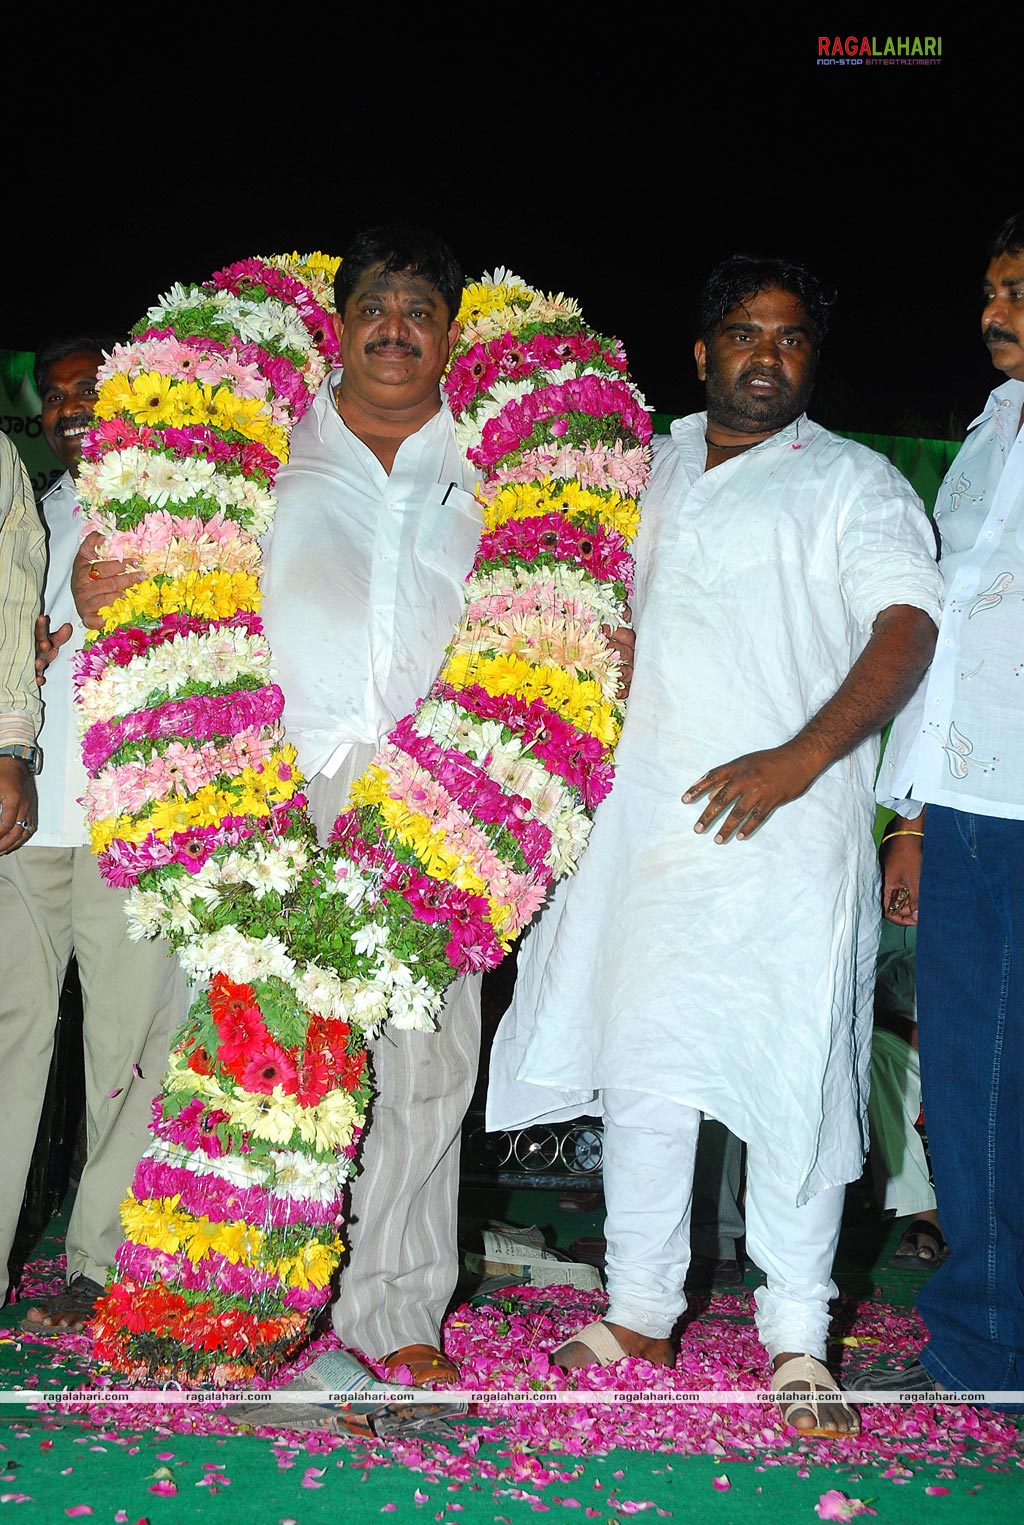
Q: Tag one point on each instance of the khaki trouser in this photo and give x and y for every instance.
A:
(53, 902)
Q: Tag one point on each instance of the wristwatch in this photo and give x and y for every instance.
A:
(32, 757)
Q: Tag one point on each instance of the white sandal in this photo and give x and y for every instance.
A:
(822, 1388)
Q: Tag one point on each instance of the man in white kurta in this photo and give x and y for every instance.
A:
(677, 975)
(54, 903)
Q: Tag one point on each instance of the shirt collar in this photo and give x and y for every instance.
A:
(1004, 406)
(690, 431)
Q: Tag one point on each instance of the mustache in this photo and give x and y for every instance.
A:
(997, 335)
(768, 374)
(402, 344)
(80, 421)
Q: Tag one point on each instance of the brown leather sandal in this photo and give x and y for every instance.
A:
(427, 1365)
(68, 1312)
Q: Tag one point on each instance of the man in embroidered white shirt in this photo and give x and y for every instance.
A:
(959, 752)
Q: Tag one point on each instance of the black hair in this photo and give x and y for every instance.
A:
(401, 246)
(48, 354)
(1010, 237)
(744, 275)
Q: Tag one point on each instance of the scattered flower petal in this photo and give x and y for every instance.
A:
(834, 1505)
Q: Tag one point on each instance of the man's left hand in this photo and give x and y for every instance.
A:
(751, 788)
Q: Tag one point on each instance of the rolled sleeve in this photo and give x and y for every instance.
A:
(887, 548)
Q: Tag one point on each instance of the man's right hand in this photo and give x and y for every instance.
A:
(47, 645)
(19, 811)
(95, 584)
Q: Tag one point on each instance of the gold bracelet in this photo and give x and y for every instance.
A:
(889, 835)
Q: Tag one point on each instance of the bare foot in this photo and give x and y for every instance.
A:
(42, 1318)
(574, 1353)
(827, 1416)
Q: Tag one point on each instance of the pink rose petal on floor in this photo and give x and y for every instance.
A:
(936, 1492)
(77, 1509)
(721, 1483)
(834, 1505)
(164, 1488)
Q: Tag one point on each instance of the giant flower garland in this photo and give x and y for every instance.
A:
(451, 838)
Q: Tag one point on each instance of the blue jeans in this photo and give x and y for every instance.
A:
(970, 994)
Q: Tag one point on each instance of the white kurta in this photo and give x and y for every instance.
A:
(61, 785)
(734, 978)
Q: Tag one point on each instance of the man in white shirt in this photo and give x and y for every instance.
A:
(718, 959)
(958, 751)
(375, 533)
(53, 903)
(376, 530)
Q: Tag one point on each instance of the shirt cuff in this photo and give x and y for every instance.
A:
(17, 729)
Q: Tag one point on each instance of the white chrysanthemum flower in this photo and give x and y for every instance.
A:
(415, 1008)
(319, 990)
(366, 1002)
(370, 937)
(270, 873)
(145, 912)
(297, 1175)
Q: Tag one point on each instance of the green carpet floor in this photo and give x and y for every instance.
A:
(180, 1465)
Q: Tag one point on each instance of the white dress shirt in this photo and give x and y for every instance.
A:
(364, 579)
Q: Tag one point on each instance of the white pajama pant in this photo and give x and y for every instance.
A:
(649, 1150)
(403, 1262)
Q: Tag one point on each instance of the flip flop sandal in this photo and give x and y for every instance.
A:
(347, 1399)
(910, 1253)
(77, 1300)
(598, 1338)
(822, 1389)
